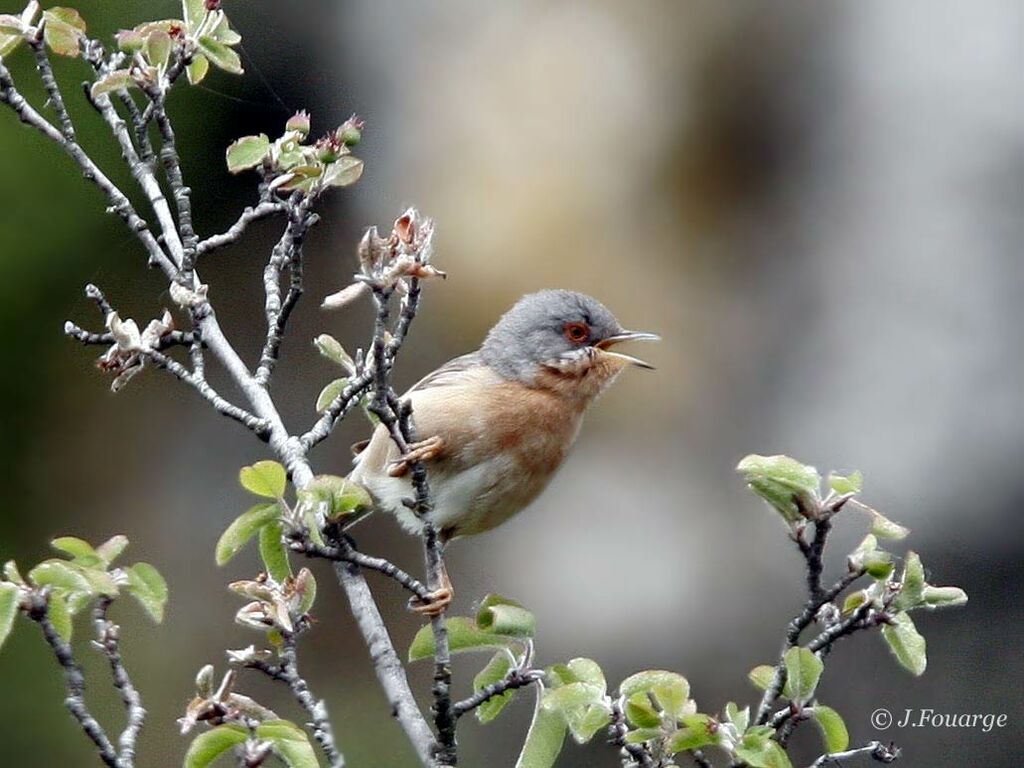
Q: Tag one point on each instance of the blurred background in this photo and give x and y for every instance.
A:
(817, 205)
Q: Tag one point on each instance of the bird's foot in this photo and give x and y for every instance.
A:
(437, 602)
(424, 450)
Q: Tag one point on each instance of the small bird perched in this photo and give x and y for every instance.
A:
(497, 423)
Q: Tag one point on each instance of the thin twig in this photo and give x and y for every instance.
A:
(108, 636)
(876, 750)
(516, 678)
(234, 233)
(288, 673)
(344, 552)
(39, 612)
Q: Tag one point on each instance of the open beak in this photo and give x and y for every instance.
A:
(618, 338)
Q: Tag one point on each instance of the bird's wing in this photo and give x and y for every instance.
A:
(455, 372)
(443, 405)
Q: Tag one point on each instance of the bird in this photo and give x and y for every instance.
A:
(496, 424)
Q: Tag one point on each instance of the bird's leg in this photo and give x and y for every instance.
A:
(439, 599)
(424, 450)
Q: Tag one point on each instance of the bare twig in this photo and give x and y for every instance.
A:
(516, 678)
(288, 673)
(344, 552)
(39, 612)
(108, 638)
(234, 233)
(876, 750)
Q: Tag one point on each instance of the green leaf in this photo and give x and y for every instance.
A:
(495, 671)
(60, 575)
(80, 551)
(906, 643)
(788, 486)
(577, 670)
(60, 616)
(841, 484)
(738, 717)
(670, 689)
(244, 528)
(9, 600)
(463, 635)
(854, 601)
(194, 12)
(762, 676)
(343, 172)
(290, 743)
(884, 528)
(247, 152)
(833, 729)
(331, 348)
(11, 573)
(341, 496)
(641, 735)
(158, 49)
(763, 754)
(9, 43)
(112, 81)
(210, 745)
(274, 552)
(197, 69)
(329, 393)
(504, 616)
(264, 478)
(11, 24)
(221, 55)
(582, 705)
(63, 30)
(224, 33)
(305, 584)
(876, 562)
(112, 548)
(943, 597)
(803, 670)
(698, 731)
(147, 586)
(544, 739)
(641, 712)
(913, 583)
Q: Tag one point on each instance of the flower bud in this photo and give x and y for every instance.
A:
(350, 132)
(299, 122)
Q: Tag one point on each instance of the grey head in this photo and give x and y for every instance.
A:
(555, 329)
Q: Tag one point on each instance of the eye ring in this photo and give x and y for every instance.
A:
(577, 333)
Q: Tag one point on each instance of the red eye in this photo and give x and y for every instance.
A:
(577, 332)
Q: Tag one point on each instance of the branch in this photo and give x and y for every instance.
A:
(287, 253)
(389, 669)
(397, 418)
(38, 611)
(108, 636)
(289, 449)
(344, 552)
(876, 750)
(288, 673)
(235, 231)
(119, 203)
(516, 678)
(817, 597)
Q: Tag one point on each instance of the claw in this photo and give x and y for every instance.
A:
(437, 602)
(424, 450)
